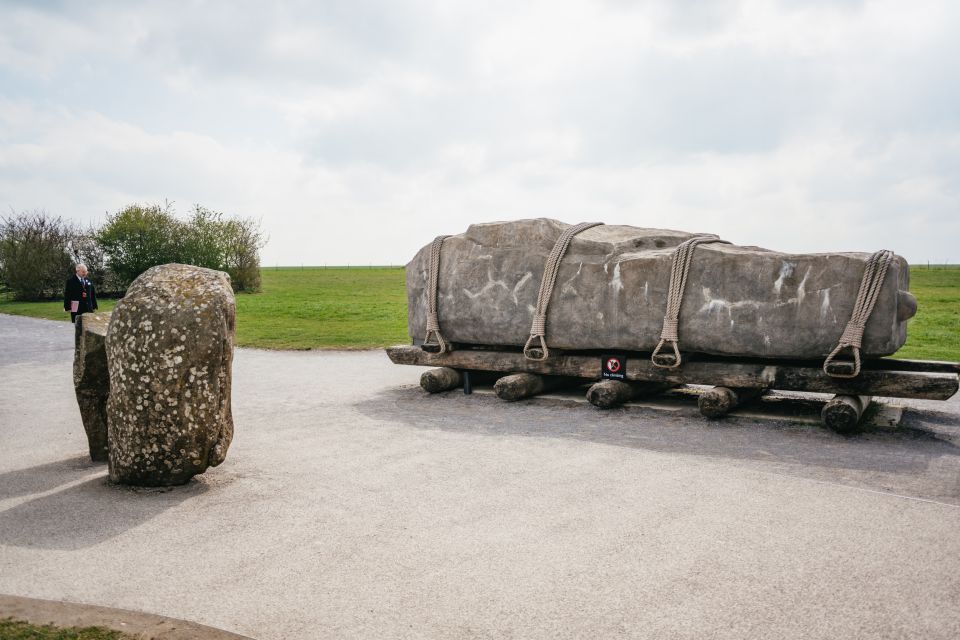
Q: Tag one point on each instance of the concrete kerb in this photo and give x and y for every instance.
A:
(147, 626)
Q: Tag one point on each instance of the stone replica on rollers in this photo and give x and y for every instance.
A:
(543, 305)
(170, 351)
(611, 293)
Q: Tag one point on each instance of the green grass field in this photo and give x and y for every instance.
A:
(934, 333)
(301, 308)
(316, 308)
(359, 308)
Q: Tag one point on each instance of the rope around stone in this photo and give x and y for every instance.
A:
(874, 275)
(682, 257)
(852, 337)
(538, 329)
(433, 321)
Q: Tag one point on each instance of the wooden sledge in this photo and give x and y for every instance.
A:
(735, 380)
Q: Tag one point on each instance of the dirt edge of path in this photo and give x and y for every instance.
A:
(143, 625)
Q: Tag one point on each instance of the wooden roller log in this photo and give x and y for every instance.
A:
(518, 386)
(446, 378)
(843, 413)
(719, 401)
(442, 379)
(608, 394)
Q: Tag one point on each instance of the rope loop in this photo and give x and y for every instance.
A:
(838, 368)
(538, 328)
(874, 273)
(531, 352)
(663, 360)
(439, 344)
(682, 257)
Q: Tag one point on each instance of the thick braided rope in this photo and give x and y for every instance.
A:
(538, 329)
(852, 337)
(433, 321)
(682, 257)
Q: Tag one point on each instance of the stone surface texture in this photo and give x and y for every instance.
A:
(91, 380)
(611, 293)
(170, 352)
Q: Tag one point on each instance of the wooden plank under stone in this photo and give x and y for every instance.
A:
(896, 364)
(734, 374)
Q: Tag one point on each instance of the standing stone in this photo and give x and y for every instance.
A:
(91, 381)
(170, 351)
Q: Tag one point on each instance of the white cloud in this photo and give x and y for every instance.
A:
(358, 131)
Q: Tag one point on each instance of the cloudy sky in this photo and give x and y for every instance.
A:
(357, 131)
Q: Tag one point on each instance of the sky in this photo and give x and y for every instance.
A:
(357, 131)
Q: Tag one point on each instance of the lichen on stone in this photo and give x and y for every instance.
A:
(174, 334)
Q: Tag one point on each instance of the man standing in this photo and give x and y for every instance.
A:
(79, 296)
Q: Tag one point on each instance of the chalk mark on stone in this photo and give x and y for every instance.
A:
(520, 284)
(491, 283)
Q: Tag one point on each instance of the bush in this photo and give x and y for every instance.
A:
(243, 240)
(232, 245)
(34, 254)
(38, 251)
(139, 237)
(203, 239)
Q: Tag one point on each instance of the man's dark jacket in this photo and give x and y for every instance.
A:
(74, 290)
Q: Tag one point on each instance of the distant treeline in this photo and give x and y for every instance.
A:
(38, 251)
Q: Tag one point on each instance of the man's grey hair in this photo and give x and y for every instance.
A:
(79, 266)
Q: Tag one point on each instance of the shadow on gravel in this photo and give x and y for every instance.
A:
(85, 514)
(908, 460)
(44, 477)
(920, 420)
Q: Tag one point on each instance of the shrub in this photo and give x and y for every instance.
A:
(139, 237)
(203, 239)
(243, 240)
(226, 244)
(34, 254)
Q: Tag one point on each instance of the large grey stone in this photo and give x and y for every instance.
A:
(611, 293)
(170, 351)
(91, 380)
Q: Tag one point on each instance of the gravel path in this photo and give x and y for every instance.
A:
(353, 505)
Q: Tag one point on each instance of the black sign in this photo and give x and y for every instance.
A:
(613, 367)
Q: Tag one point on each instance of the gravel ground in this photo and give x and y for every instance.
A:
(351, 504)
